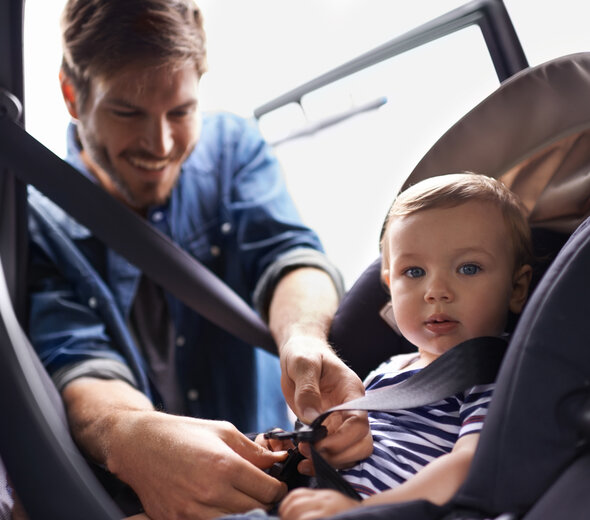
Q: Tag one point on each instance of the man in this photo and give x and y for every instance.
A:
(119, 348)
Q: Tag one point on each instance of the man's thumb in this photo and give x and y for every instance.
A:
(308, 402)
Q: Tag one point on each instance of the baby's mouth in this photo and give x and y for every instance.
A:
(439, 318)
(441, 324)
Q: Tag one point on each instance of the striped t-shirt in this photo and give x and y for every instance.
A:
(407, 440)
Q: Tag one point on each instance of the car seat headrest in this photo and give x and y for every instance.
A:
(533, 133)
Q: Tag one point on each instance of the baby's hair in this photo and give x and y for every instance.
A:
(454, 189)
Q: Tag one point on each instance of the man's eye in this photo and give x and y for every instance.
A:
(414, 272)
(469, 269)
(125, 113)
(179, 113)
(183, 112)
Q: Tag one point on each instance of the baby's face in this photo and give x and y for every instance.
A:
(450, 275)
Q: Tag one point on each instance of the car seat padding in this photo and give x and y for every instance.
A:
(531, 437)
(528, 439)
(358, 333)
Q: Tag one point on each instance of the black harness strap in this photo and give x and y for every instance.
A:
(473, 362)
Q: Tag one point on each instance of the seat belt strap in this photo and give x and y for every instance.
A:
(129, 235)
(473, 362)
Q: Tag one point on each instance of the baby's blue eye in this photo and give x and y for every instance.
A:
(414, 272)
(469, 269)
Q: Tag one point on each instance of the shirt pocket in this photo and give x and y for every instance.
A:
(206, 245)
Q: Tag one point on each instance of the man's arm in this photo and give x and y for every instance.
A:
(437, 482)
(314, 378)
(175, 464)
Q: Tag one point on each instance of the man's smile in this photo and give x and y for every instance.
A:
(148, 164)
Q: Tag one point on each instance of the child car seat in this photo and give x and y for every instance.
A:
(533, 133)
(532, 458)
(534, 444)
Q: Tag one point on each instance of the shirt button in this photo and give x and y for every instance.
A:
(180, 341)
(157, 216)
(226, 228)
(192, 394)
(92, 302)
(215, 251)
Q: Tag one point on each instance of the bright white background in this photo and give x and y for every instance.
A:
(344, 178)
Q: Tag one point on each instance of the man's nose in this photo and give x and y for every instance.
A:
(438, 289)
(158, 137)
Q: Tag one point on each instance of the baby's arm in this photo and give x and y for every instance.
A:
(437, 482)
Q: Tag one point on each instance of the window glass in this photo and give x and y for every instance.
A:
(342, 178)
(45, 113)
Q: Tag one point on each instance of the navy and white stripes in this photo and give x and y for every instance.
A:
(407, 440)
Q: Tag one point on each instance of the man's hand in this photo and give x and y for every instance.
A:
(197, 468)
(314, 379)
(180, 467)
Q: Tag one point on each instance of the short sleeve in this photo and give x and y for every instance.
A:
(474, 409)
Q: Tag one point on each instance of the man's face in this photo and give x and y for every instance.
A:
(137, 128)
(450, 275)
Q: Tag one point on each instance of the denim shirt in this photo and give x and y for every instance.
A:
(229, 209)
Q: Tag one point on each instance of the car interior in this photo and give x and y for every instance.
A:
(532, 132)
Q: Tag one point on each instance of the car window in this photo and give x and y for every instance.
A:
(357, 166)
(344, 177)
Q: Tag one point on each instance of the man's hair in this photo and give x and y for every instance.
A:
(447, 191)
(101, 37)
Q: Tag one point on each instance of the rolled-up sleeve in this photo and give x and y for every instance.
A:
(269, 235)
(67, 332)
(286, 263)
(98, 368)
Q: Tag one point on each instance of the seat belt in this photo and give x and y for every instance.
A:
(472, 362)
(129, 235)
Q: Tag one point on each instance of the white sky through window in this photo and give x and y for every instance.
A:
(344, 178)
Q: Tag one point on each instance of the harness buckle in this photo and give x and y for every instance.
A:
(302, 433)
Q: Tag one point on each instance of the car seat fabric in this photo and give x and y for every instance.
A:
(36, 430)
(360, 335)
(532, 432)
(568, 497)
(533, 133)
(539, 124)
(6, 501)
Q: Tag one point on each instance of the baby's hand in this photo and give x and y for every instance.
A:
(314, 503)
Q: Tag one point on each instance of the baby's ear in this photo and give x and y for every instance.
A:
(520, 288)
(385, 277)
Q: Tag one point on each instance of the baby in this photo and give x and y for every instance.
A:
(456, 255)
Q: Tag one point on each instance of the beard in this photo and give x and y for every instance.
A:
(151, 195)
